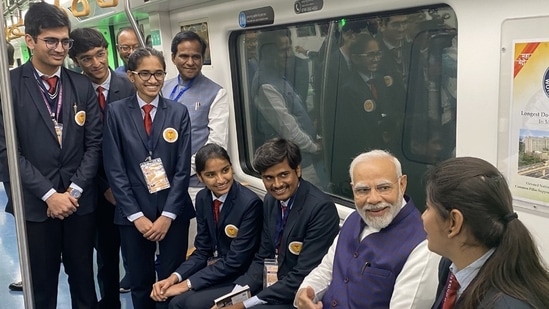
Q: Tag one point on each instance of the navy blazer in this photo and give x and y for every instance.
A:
(236, 237)
(503, 301)
(43, 163)
(119, 88)
(313, 223)
(125, 147)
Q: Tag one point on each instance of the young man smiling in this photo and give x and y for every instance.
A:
(299, 224)
(59, 138)
(89, 52)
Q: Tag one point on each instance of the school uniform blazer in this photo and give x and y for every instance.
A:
(119, 88)
(125, 147)
(503, 302)
(236, 237)
(312, 225)
(43, 163)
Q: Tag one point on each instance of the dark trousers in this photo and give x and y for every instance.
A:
(107, 245)
(204, 299)
(140, 255)
(72, 237)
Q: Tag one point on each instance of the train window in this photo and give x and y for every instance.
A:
(342, 86)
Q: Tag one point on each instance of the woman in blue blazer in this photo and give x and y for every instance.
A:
(227, 234)
(147, 158)
(490, 259)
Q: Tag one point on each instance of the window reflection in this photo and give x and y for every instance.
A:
(340, 87)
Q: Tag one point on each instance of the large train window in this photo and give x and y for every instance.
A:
(346, 85)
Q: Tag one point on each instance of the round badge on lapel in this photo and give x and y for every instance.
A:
(388, 80)
(231, 230)
(80, 118)
(369, 106)
(295, 247)
(170, 135)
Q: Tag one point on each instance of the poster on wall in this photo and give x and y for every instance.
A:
(529, 122)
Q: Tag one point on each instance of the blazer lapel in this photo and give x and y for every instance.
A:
(135, 111)
(158, 121)
(207, 200)
(69, 103)
(293, 218)
(37, 98)
(228, 205)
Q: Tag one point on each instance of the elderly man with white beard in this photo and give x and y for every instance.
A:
(380, 258)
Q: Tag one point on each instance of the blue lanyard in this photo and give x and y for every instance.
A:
(52, 104)
(185, 88)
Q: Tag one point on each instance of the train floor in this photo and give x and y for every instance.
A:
(10, 271)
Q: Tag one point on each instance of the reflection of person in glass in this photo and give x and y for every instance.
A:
(280, 110)
(370, 105)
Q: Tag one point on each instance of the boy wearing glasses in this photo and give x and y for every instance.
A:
(381, 251)
(89, 52)
(59, 137)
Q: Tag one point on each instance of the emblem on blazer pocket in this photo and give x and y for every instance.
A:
(231, 230)
(295, 247)
(80, 118)
(170, 135)
(369, 106)
(388, 80)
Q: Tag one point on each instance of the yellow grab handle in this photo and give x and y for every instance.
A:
(85, 8)
(107, 4)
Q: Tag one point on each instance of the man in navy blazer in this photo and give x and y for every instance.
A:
(59, 144)
(126, 148)
(297, 237)
(90, 53)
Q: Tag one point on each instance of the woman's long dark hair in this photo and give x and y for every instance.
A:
(479, 191)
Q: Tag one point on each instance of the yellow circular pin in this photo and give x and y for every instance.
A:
(231, 230)
(369, 106)
(170, 135)
(295, 247)
(80, 118)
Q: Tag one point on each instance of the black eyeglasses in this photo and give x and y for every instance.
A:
(127, 48)
(146, 75)
(52, 43)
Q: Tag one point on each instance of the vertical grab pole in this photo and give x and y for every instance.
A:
(128, 11)
(13, 165)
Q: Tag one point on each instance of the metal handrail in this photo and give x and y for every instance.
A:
(13, 165)
(127, 9)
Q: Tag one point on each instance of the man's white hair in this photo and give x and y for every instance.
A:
(374, 154)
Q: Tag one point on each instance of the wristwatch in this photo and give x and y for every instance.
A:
(189, 284)
(74, 192)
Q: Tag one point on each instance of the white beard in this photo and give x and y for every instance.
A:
(383, 221)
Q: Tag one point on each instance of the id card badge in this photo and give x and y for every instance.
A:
(58, 132)
(155, 175)
(270, 272)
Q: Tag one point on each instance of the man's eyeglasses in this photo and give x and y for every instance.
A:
(372, 55)
(87, 61)
(146, 75)
(381, 189)
(127, 48)
(52, 43)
